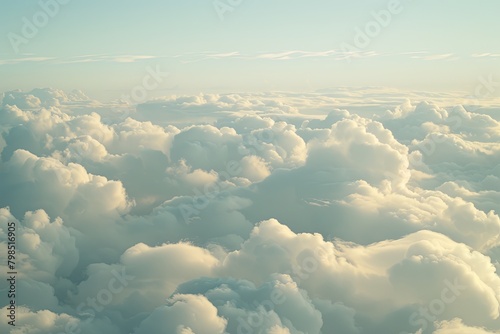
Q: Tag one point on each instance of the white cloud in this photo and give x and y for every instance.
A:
(456, 326)
(341, 211)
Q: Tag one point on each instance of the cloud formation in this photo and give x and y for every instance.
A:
(247, 213)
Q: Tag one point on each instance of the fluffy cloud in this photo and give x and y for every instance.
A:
(185, 314)
(61, 190)
(456, 326)
(47, 249)
(244, 213)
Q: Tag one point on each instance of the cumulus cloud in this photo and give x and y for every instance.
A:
(185, 314)
(341, 211)
(456, 326)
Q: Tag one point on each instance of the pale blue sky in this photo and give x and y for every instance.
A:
(105, 47)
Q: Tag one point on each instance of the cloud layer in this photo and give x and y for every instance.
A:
(264, 213)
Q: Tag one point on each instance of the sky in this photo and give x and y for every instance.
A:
(104, 48)
(249, 167)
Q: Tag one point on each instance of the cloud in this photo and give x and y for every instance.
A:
(186, 314)
(79, 59)
(341, 211)
(48, 322)
(486, 54)
(456, 326)
(443, 56)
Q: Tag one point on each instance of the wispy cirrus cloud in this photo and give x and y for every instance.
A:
(279, 55)
(298, 54)
(339, 55)
(92, 58)
(12, 61)
(411, 53)
(439, 56)
(191, 57)
(107, 58)
(485, 55)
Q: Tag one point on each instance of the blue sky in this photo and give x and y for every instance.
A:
(104, 47)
